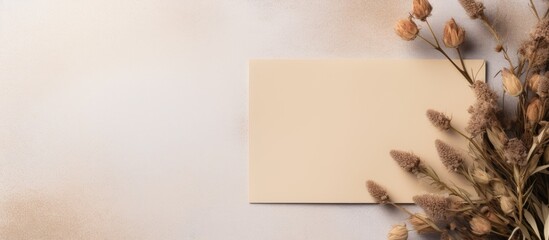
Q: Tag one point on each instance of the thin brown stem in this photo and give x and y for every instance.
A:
(461, 60)
(439, 49)
(432, 32)
(533, 6)
(498, 39)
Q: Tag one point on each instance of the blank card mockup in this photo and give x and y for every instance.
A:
(318, 129)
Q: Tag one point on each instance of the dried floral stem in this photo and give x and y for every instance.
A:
(439, 49)
(533, 6)
(498, 39)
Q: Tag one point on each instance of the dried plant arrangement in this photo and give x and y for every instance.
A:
(508, 165)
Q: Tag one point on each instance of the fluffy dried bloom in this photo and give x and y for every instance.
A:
(499, 189)
(449, 156)
(421, 9)
(483, 112)
(418, 221)
(406, 29)
(435, 206)
(511, 84)
(534, 111)
(543, 87)
(480, 226)
(473, 8)
(515, 152)
(507, 205)
(480, 176)
(533, 82)
(536, 48)
(377, 192)
(408, 161)
(398, 232)
(454, 35)
(438, 119)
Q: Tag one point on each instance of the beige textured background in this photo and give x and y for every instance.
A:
(127, 119)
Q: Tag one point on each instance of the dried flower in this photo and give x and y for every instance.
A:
(398, 232)
(435, 206)
(499, 189)
(507, 205)
(511, 84)
(515, 152)
(543, 87)
(534, 111)
(421, 9)
(533, 82)
(438, 119)
(536, 48)
(419, 223)
(408, 161)
(406, 29)
(480, 176)
(483, 112)
(473, 8)
(480, 226)
(377, 192)
(453, 34)
(449, 156)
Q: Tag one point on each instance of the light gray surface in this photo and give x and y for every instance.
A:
(143, 105)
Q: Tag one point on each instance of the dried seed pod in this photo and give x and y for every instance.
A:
(454, 35)
(481, 176)
(511, 84)
(480, 226)
(421, 9)
(534, 111)
(406, 29)
(398, 232)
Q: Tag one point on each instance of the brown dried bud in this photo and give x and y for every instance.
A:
(406, 29)
(438, 119)
(421, 9)
(398, 232)
(533, 82)
(507, 205)
(454, 35)
(498, 48)
(480, 226)
(377, 192)
(534, 111)
(511, 84)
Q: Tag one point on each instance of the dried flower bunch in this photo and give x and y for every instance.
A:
(508, 165)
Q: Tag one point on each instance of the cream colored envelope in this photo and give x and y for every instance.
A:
(320, 128)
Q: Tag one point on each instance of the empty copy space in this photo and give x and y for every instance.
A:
(320, 128)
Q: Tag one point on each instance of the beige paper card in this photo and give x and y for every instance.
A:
(320, 128)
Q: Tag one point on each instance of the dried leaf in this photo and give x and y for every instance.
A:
(530, 219)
